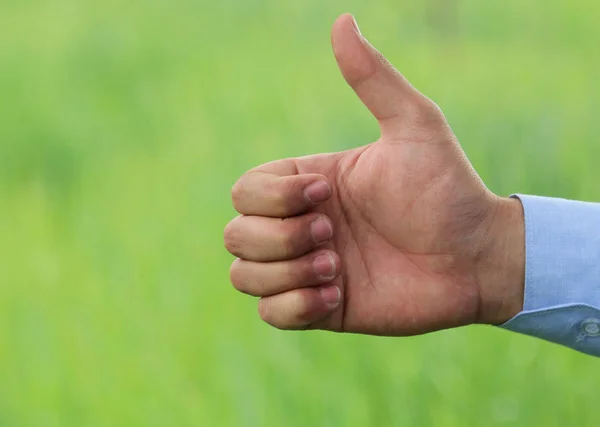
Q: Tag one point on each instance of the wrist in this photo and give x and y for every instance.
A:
(501, 265)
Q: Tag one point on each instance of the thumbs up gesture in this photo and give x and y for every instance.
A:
(398, 237)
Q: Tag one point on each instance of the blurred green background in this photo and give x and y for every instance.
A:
(123, 126)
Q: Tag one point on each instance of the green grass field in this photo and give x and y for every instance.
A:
(123, 126)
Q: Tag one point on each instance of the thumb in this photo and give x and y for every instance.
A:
(389, 96)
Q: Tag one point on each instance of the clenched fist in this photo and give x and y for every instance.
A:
(399, 237)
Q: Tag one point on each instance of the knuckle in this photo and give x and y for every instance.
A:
(294, 187)
(298, 303)
(428, 122)
(291, 313)
(300, 307)
(278, 203)
(283, 193)
(429, 112)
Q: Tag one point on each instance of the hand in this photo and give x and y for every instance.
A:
(398, 237)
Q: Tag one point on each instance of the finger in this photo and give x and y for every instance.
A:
(257, 238)
(269, 278)
(264, 193)
(300, 308)
(387, 94)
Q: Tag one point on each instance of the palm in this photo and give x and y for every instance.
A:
(402, 269)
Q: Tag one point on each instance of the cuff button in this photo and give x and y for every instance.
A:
(591, 327)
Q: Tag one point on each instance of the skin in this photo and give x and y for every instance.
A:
(398, 237)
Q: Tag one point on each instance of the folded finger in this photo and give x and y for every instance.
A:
(257, 238)
(267, 194)
(300, 308)
(269, 278)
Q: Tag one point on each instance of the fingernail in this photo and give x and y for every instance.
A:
(324, 266)
(317, 192)
(355, 24)
(331, 295)
(320, 230)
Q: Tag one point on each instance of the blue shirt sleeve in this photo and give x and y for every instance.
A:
(562, 273)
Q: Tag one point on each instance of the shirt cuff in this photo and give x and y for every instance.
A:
(562, 273)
